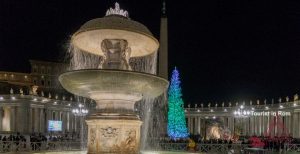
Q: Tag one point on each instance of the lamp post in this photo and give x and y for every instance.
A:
(81, 112)
(241, 112)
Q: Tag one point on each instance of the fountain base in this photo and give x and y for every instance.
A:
(111, 133)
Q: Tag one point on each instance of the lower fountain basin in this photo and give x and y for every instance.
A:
(142, 152)
(113, 127)
(113, 84)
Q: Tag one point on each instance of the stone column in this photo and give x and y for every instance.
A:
(196, 125)
(265, 123)
(65, 121)
(30, 122)
(68, 121)
(48, 117)
(24, 117)
(56, 113)
(260, 124)
(189, 124)
(36, 119)
(295, 121)
(292, 124)
(246, 124)
(287, 124)
(268, 123)
(234, 124)
(192, 125)
(1, 118)
(226, 122)
(230, 124)
(42, 121)
(199, 125)
(251, 126)
(298, 123)
(256, 132)
(71, 121)
(75, 123)
(12, 119)
(20, 119)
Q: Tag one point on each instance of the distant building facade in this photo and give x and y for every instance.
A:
(260, 119)
(29, 100)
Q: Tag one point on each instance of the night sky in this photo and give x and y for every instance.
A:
(225, 50)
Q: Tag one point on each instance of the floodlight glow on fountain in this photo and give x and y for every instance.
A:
(114, 127)
(115, 26)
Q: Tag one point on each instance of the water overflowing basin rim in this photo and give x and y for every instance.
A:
(90, 81)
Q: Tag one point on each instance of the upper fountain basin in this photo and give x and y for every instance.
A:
(90, 35)
(113, 84)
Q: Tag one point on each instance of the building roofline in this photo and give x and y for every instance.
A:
(20, 73)
(46, 62)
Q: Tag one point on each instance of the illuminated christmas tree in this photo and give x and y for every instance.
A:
(176, 119)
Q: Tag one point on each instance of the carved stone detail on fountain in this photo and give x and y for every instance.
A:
(116, 54)
(109, 132)
(113, 136)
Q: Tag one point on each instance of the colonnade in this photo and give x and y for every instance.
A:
(248, 126)
(25, 117)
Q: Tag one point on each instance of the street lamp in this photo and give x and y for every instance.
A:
(81, 112)
(241, 112)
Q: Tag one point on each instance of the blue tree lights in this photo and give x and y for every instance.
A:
(176, 118)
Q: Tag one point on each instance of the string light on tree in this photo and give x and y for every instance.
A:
(176, 118)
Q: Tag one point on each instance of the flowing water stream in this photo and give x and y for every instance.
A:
(152, 111)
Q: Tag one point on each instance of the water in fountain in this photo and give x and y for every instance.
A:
(146, 64)
(151, 110)
(82, 60)
(153, 114)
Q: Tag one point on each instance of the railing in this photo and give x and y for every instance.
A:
(12, 146)
(291, 148)
(205, 148)
(229, 148)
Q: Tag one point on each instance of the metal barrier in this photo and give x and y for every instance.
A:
(206, 148)
(229, 148)
(291, 148)
(13, 146)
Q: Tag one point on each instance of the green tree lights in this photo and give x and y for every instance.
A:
(176, 119)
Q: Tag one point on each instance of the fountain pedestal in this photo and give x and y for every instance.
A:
(113, 136)
(114, 127)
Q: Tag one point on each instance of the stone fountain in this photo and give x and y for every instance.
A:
(114, 127)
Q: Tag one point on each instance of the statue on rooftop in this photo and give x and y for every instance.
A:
(21, 92)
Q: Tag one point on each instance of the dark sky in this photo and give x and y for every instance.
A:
(224, 50)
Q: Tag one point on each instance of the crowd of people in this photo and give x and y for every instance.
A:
(35, 141)
(67, 136)
(263, 142)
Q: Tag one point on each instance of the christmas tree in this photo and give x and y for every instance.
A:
(176, 119)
